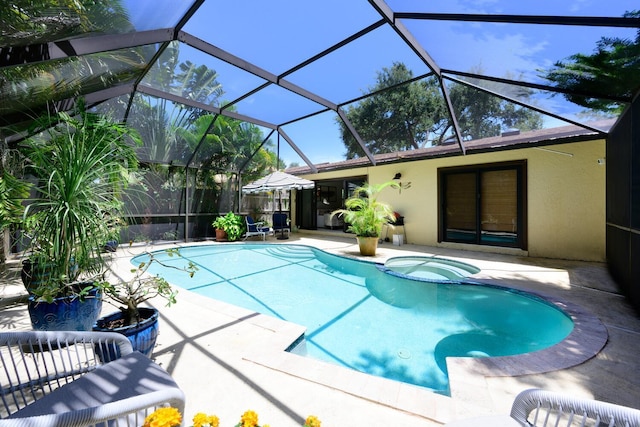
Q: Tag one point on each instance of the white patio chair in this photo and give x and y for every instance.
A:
(542, 408)
(79, 379)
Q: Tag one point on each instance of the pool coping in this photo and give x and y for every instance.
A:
(466, 374)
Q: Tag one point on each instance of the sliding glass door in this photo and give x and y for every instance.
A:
(484, 204)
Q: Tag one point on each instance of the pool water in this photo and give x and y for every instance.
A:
(360, 317)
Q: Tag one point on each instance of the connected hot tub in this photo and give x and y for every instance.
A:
(429, 268)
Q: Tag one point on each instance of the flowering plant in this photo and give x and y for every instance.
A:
(171, 417)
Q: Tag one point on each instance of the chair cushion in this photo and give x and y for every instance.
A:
(129, 376)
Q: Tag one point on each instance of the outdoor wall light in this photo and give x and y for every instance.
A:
(404, 186)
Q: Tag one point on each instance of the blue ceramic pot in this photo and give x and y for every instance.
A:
(66, 313)
(142, 335)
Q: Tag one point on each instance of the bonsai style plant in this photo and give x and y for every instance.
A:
(231, 224)
(366, 215)
(82, 166)
(140, 324)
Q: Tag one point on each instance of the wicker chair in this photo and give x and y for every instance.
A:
(79, 379)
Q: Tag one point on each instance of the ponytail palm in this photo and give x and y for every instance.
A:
(82, 166)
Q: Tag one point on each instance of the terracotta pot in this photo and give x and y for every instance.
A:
(368, 245)
(221, 235)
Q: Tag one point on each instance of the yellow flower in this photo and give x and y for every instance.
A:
(164, 417)
(249, 419)
(312, 421)
(201, 420)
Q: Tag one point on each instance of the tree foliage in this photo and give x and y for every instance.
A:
(612, 69)
(406, 114)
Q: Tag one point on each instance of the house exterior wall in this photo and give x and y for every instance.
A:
(565, 198)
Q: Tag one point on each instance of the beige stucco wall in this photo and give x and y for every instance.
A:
(565, 190)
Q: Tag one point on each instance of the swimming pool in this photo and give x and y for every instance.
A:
(360, 317)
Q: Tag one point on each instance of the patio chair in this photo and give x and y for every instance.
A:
(542, 408)
(281, 223)
(79, 379)
(255, 228)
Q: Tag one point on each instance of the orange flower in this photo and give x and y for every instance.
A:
(164, 417)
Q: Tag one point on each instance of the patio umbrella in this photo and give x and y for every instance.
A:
(278, 181)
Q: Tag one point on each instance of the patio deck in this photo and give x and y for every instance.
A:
(228, 359)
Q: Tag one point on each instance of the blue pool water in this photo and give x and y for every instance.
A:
(360, 317)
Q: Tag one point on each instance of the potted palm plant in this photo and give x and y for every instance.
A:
(82, 166)
(138, 323)
(366, 215)
(231, 224)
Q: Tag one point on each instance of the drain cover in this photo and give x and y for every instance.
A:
(403, 353)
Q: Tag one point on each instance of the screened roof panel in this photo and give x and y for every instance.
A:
(539, 7)
(232, 145)
(163, 14)
(62, 79)
(29, 22)
(515, 51)
(554, 104)
(288, 154)
(274, 104)
(483, 115)
(318, 136)
(34, 22)
(168, 129)
(299, 65)
(387, 124)
(278, 35)
(233, 81)
(340, 83)
(115, 107)
(188, 72)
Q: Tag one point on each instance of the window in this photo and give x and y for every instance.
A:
(483, 204)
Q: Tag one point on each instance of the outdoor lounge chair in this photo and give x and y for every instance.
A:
(281, 223)
(79, 379)
(255, 228)
(542, 408)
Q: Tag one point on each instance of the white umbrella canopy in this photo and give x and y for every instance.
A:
(277, 181)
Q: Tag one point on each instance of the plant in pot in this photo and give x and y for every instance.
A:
(366, 215)
(140, 324)
(82, 166)
(231, 224)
